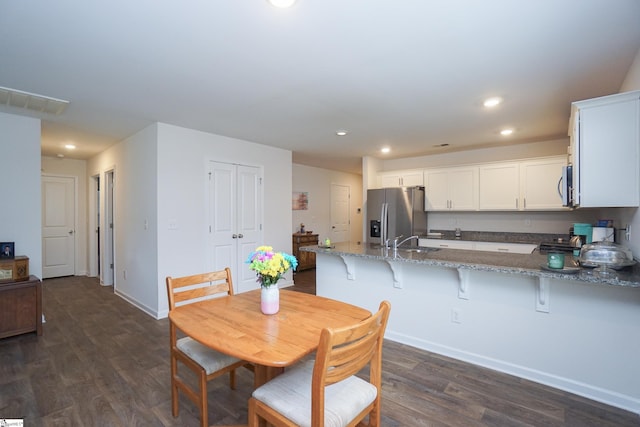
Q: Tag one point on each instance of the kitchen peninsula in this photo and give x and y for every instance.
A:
(574, 332)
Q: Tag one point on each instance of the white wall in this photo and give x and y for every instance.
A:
(134, 163)
(183, 164)
(21, 205)
(481, 155)
(632, 79)
(161, 177)
(317, 182)
(632, 216)
(78, 170)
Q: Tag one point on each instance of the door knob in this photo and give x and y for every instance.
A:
(234, 236)
(240, 236)
(70, 231)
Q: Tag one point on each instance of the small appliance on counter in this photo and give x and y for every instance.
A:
(603, 234)
(581, 234)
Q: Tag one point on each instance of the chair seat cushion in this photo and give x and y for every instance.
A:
(290, 394)
(206, 357)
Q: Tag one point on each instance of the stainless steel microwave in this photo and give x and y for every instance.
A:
(565, 186)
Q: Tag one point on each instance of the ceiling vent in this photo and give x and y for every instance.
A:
(32, 101)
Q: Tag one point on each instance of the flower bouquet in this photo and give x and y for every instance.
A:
(269, 267)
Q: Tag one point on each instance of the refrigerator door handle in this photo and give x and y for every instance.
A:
(383, 224)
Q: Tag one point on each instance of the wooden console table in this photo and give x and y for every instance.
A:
(306, 260)
(21, 307)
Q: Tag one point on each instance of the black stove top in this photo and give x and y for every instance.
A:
(554, 246)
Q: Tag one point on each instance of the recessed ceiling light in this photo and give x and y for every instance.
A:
(385, 150)
(492, 102)
(341, 132)
(70, 146)
(282, 3)
(506, 132)
(60, 156)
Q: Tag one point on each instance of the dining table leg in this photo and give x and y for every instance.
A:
(264, 374)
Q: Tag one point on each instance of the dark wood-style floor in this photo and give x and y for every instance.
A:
(103, 362)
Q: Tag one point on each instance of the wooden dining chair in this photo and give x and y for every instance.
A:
(326, 392)
(205, 362)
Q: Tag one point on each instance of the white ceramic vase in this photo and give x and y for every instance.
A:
(270, 299)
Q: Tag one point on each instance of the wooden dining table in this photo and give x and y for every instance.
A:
(235, 325)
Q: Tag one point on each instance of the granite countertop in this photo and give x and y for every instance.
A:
(529, 264)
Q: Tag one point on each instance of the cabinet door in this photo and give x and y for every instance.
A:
(463, 189)
(446, 244)
(609, 146)
(403, 178)
(436, 190)
(499, 187)
(539, 181)
(412, 178)
(389, 180)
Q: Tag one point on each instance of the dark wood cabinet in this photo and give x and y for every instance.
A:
(21, 307)
(306, 260)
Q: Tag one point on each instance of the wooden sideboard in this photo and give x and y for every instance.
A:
(306, 260)
(21, 307)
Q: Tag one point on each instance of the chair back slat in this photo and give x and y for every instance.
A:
(188, 289)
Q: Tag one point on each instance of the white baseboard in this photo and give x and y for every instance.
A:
(138, 304)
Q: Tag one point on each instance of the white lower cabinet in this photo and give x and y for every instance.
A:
(516, 248)
(454, 189)
(446, 244)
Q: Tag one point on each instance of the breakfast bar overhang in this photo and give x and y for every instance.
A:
(577, 333)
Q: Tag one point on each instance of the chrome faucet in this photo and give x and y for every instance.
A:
(396, 243)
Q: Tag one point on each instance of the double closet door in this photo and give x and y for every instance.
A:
(236, 217)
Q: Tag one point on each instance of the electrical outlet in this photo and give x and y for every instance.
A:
(627, 233)
(124, 274)
(527, 222)
(456, 317)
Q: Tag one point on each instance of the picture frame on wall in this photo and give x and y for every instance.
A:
(7, 250)
(300, 201)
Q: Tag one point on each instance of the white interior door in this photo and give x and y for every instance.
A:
(235, 211)
(58, 226)
(248, 222)
(340, 230)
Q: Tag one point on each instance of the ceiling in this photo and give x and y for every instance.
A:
(408, 74)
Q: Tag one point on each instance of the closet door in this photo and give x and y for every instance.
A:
(235, 210)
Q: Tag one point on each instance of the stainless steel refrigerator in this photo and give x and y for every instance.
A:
(394, 212)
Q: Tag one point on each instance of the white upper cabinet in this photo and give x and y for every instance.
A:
(403, 178)
(539, 182)
(500, 186)
(605, 150)
(451, 189)
(524, 185)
